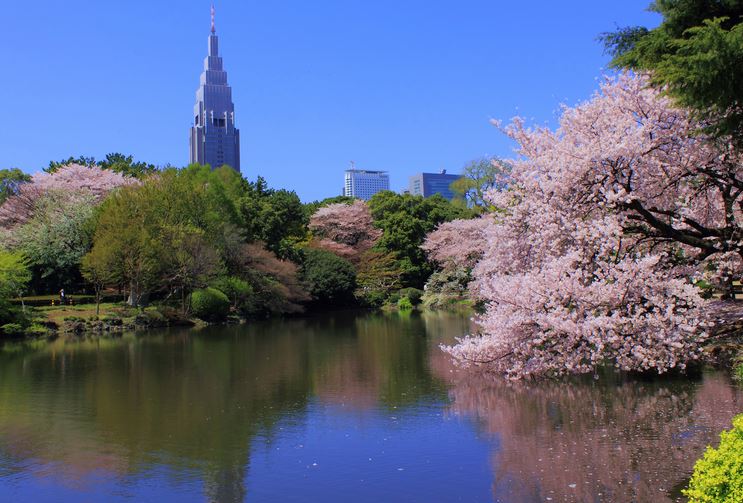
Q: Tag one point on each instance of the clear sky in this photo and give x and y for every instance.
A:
(398, 85)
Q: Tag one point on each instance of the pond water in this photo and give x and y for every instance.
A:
(350, 407)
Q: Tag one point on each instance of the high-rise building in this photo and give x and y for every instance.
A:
(214, 138)
(364, 184)
(428, 184)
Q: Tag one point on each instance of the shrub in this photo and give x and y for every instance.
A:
(36, 329)
(210, 304)
(113, 321)
(236, 289)
(446, 288)
(371, 298)
(404, 304)
(330, 279)
(718, 476)
(12, 329)
(413, 294)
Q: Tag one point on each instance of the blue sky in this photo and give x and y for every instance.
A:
(404, 85)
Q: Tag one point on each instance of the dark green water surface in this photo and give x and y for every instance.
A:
(352, 407)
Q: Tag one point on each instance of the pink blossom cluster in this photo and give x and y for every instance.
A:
(459, 243)
(605, 219)
(345, 229)
(72, 178)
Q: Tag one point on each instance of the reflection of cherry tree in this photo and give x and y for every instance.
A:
(595, 441)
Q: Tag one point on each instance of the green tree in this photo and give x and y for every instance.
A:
(126, 165)
(127, 230)
(120, 163)
(99, 268)
(171, 232)
(57, 237)
(81, 160)
(9, 181)
(378, 276)
(405, 221)
(694, 55)
(190, 262)
(274, 217)
(14, 277)
(329, 278)
(478, 177)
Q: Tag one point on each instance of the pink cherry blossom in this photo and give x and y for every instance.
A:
(606, 222)
(345, 229)
(92, 180)
(459, 243)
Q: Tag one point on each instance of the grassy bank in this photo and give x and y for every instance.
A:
(45, 320)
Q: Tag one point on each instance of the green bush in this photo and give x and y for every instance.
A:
(12, 329)
(413, 294)
(739, 371)
(210, 304)
(236, 289)
(404, 304)
(36, 330)
(329, 278)
(371, 298)
(718, 476)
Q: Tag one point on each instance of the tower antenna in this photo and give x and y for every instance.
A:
(213, 17)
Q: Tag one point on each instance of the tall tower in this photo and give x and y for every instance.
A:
(214, 138)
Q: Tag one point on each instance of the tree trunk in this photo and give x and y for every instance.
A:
(134, 295)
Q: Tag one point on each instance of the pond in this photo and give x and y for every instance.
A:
(355, 407)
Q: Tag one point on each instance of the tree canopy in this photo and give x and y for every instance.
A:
(10, 179)
(405, 220)
(329, 278)
(116, 162)
(478, 177)
(604, 225)
(695, 55)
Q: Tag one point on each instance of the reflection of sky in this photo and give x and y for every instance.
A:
(406, 455)
(328, 453)
(40, 485)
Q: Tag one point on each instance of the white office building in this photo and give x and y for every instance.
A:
(364, 184)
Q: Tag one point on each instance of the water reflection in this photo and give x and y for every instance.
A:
(614, 439)
(193, 402)
(211, 415)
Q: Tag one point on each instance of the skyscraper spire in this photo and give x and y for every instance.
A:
(214, 138)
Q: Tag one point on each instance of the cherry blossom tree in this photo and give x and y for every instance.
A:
(607, 220)
(345, 229)
(72, 178)
(459, 243)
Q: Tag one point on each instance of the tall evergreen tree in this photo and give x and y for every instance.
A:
(695, 56)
